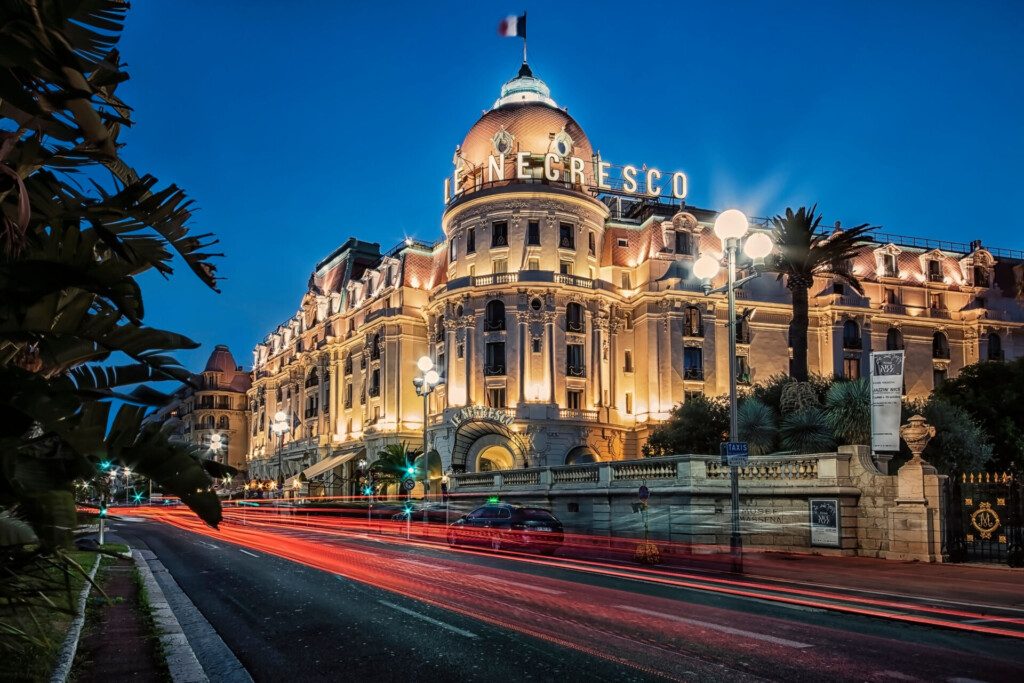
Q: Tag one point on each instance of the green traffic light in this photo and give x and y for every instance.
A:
(104, 464)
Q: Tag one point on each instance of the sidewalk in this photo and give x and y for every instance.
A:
(976, 584)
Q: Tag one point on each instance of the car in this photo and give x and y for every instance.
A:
(435, 512)
(507, 526)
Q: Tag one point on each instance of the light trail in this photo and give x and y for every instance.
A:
(573, 614)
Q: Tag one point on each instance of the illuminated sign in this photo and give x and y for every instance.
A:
(481, 413)
(649, 182)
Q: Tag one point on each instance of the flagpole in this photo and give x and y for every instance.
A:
(524, 37)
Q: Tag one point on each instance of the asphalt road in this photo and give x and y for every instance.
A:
(406, 612)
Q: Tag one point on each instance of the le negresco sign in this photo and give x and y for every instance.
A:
(650, 182)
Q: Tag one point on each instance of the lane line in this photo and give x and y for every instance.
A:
(718, 627)
(528, 589)
(210, 545)
(243, 550)
(429, 620)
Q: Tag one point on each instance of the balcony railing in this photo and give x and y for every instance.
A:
(575, 370)
(693, 373)
(494, 279)
(499, 241)
(348, 403)
(894, 308)
(577, 414)
(852, 343)
(940, 353)
(574, 326)
(373, 391)
(939, 313)
(935, 277)
(693, 331)
(493, 370)
(574, 280)
(494, 325)
(566, 243)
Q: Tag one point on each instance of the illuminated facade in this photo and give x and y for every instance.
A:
(561, 311)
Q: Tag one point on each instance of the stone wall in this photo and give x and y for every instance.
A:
(690, 500)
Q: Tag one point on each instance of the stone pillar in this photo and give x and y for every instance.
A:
(469, 350)
(550, 338)
(523, 356)
(914, 523)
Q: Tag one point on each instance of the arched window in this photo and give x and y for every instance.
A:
(494, 316)
(312, 379)
(693, 325)
(995, 346)
(940, 345)
(574, 317)
(223, 423)
(851, 335)
(894, 339)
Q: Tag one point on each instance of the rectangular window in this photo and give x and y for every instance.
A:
(590, 244)
(375, 382)
(496, 397)
(935, 302)
(629, 321)
(499, 265)
(565, 267)
(628, 365)
(682, 243)
(934, 271)
(460, 350)
(574, 360)
(471, 240)
(495, 358)
(574, 399)
(536, 344)
(693, 362)
(348, 395)
(533, 264)
(453, 250)
(629, 403)
(499, 234)
(627, 280)
(533, 233)
(889, 296)
(622, 242)
(851, 368)
(566, 236)
(889, 265)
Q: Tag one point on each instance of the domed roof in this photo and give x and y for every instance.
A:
(221, 360)
(523, 119)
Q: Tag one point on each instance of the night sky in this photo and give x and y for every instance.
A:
(295, 125)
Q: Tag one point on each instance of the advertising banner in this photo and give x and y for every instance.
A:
(886, 395)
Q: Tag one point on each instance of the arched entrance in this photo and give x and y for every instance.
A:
(482, 440)
(495, 457)
(581, 455)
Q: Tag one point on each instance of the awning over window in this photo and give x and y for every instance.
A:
(329, 463)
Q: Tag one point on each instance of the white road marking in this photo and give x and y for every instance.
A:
(429, 620)
(247, 553)
(527, 589)
(418, 564)
(210, 545)
(718, 627)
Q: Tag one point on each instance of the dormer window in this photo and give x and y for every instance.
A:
(683, 243)
(934, 271)
(889, 266)
(981, 276)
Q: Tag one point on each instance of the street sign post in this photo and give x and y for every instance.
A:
(644, 493)
(409, 484)
(735, 453)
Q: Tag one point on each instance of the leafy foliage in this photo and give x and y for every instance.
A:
(806, 431)
(803, 252)
(992, 393)
(848, 408)
(758, 425)
(960, 443)
(392, 463)
(77, 226)
(698, 425)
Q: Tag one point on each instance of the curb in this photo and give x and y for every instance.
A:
(70, 646)
(181, 660)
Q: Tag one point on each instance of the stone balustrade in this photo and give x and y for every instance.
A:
(821, 469)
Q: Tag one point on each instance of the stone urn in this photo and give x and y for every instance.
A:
(917, 433)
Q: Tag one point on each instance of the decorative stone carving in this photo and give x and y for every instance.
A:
(916, 434)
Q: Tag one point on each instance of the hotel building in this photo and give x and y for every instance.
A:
(561, 311)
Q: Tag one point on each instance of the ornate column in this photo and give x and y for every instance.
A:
(600, 327)
(470, 330)
(450, 327)
(524, 370)
(614, 325)
(549, 339)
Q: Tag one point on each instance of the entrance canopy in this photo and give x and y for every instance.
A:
(329, 463)
(471, 431)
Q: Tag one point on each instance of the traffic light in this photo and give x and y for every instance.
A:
(410, 470)
(103, 509)
(367, 490)
(104, 465)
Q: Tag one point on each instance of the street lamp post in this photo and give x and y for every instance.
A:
(127, 484)
(425, 385)
(279, 426)
(730, 227)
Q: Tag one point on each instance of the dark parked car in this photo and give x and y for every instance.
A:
(512, 527)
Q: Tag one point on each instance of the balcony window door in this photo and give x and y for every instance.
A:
(494, 317)
(533, 233)
(574, 317)
(693, 362)
(574, 360)
(496, 397)
(494, 358)
(499, 234)
(471, 240)
(566, 236)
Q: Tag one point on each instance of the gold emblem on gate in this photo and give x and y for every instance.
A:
(985, 520)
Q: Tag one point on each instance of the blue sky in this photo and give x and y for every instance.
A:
(294, 125)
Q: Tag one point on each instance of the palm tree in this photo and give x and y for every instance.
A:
(803, 252)
(393, 462)
(848, 406)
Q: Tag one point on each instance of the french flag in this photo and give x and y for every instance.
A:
(512, 27)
